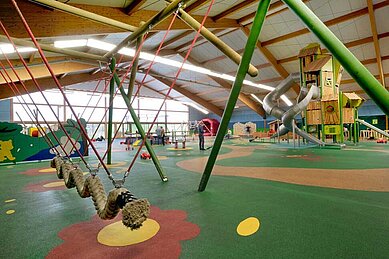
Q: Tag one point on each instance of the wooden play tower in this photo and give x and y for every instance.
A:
(327, 116)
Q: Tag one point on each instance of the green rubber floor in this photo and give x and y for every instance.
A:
(296, 221)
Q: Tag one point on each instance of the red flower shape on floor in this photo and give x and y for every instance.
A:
(80, 240)
(44, 186)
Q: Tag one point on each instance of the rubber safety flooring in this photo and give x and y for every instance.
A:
(236, 217)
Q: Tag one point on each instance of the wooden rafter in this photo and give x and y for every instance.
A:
(153, 90)
(70, 25)
(198, 4)
(47, 83)
(134, 6)
(234, 9)
(40, 71)
(328, 23)
(348, 45)
(174, 39)
(375, 40)
(242, 97)
(214, 90)
(269, 56)
(199, 39)
(194, 97)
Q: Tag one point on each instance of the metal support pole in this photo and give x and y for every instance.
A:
(235, 90)
(354, 67)
(341, 116)
(293, 135)
(134, 68)
(159, 17)
(140, 130)
(216, 41)
(110, 114)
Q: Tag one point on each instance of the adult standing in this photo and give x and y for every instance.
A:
(158, 132)
(201, 135)
(163, 136)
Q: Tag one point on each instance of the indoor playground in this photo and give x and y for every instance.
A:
(194, 129)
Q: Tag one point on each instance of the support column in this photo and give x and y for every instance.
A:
(140, 130)
(110, 114)
(353, 66)
(235, 90)
(134, 68)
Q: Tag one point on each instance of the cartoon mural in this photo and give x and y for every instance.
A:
(16, 146)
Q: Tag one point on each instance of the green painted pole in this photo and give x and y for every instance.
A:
(134, 69)
(140, 130)
(235, 90)
(354, 67)
(340, 102)
(110, 113)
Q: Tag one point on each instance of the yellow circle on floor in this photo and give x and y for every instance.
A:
(10, 200)
(116, 234)
(9, 212)
(179, 149)
(54, 184)
(48, 170)
(248, 226)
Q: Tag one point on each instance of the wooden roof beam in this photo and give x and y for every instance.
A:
(328, 23)
(174, 39)
(134, 6)
(194, 97)
(195, 6)
(257, 107)
(348, 45)
(47, 83)
(234, 9)
(375, 40)
(71, 25)
(269, 56)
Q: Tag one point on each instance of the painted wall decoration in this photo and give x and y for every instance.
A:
(16, 146)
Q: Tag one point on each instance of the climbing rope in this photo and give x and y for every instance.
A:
(28, 110)
(143, 80)
(130, 206)
(40, 90)
(170, 88)
(32, 100)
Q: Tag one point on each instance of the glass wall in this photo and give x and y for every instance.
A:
(92, 107)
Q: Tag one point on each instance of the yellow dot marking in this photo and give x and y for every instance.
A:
(54, 184)
(179, 149)
(116, 234)
(48, 170)
(162, 157)
(9, 212)
(248, 226)
(11, 200)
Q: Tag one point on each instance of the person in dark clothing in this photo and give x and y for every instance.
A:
(163, 136)
(201, 135)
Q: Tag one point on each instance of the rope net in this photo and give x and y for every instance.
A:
(134, 210)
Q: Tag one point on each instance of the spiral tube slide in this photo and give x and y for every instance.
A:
(270, 106)
(135, 211)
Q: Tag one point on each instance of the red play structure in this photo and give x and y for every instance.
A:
(211, 126)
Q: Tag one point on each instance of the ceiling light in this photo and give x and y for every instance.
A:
(256, 98)
(70, 43)
(150, 57)
(196, 107)
(92, 43)
(7, 48)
